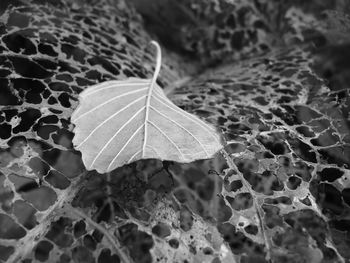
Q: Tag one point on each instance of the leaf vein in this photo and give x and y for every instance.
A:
(108, 85)
(154, 150)
(182, 127)
(134, 155)
(125, 144)
(188, 116)
(167, 137)
(106, 120)
(121, 128)
(108, 101)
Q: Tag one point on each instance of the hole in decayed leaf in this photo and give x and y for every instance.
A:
(5, 131)
(341, 225)
(79, 229)
(272, 216)
(162, 230)
(161, 180)
(42, 250)
(33, 97)
(51, 156)
(208, 251)
(234, 186)
(192, 248)
(82, 255)
(192, 176)
(309, 220)
(268, 155)
(106, 257)
(235, 148)
(19, 44)
(7, 97)
(266, 182)
(288, 239)
(337, 155)
(4, 73)
(293, 182)
(47, 49)
(247, 166)
(28, 85)
(28, 68)
(239, 243)
(251, 229)
(57, 180)
(6, 252)
(306, 131)
(25, 214)
(279, 200)
(241, 201)
(275, 143)
(6, 194)
(5, 157)
(64, 258)
(28, 118)
(137, 241)
(327, 138)
(9, 229)
(59, 86)
(38, 166)
(69, 163)
(45, 131)
(329, 254)
(181, 195)
(346, 196)
(105, 213)
(306, 201)
(64, 99)
(206, 189)
(300, 168)
(303, 150)
(229, 173)
(52, 100)
(90, 242)
(16, 144)
(330, 174)
(57, 232)
(186, 219)
(41, 198)
(331, 198)
(224, 212)
(18, 20)
(27, 186)
(174, 243)
(97, 235)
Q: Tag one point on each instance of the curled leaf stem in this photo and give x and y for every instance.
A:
(149, 94)
(158, 63)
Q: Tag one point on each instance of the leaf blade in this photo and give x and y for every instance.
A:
(109, 133)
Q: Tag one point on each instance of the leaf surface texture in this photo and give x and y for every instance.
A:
(113, 127)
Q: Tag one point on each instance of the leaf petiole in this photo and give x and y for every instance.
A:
(149, 94)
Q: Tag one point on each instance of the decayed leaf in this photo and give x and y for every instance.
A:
(119, 122)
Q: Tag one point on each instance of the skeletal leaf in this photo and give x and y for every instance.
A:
(119, 122)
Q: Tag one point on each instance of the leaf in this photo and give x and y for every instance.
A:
(119, 122)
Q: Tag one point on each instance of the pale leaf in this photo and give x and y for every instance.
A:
(119, 122)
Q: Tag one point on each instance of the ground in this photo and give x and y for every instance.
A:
(272, 76)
